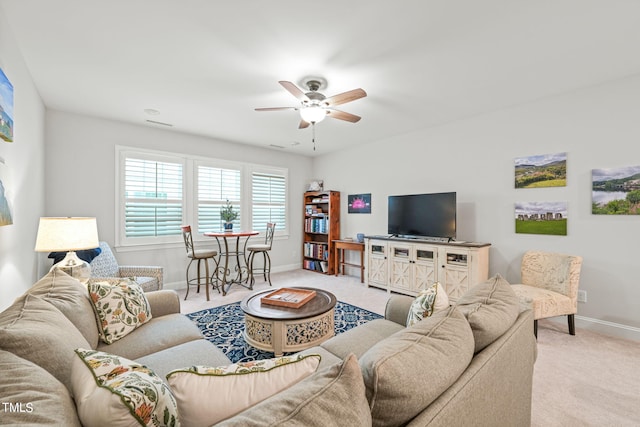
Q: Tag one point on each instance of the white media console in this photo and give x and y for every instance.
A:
(410, 265)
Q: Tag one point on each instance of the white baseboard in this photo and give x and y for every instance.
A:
(602, 327)
(608, 328)
(283, 268)
(174, 285)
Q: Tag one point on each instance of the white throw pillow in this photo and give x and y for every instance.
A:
(207, 395)
(432, 299)
(114, 391)
(120, 307)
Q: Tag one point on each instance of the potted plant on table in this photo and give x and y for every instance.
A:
(228, 215)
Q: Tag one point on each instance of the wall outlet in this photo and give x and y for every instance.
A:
(582, 296)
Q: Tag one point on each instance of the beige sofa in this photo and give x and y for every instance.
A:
(39, 332)
(469, 365)
(365, 373)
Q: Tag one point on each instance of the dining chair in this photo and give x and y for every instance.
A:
(264, 249)
(202, 256)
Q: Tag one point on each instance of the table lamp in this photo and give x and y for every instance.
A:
(68, 234)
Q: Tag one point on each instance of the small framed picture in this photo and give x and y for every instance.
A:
(615, 191)
(544, 170)
(541, 218)
(359, 203)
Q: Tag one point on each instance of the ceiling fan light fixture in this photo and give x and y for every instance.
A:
(313, 114)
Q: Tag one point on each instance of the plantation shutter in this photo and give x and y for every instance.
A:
(268, 200)
(215, 186)
(153, 198)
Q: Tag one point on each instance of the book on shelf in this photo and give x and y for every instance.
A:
(316, 225)
(316, 250)
(322, 266)
(313, 210)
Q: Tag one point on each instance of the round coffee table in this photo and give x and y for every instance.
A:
(285, 329)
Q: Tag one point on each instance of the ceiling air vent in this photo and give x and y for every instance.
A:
(160, 123)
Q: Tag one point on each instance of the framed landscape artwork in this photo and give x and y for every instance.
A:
(615, 191)
(359, 203)
(6, 108)
(541, 218)
(544, 170)
(5, 208)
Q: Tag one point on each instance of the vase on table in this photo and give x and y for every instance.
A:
(228, 226)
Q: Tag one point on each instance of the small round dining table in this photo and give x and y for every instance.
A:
(242, 273)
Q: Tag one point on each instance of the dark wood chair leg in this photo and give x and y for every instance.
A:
(572, 324)
(535, 328)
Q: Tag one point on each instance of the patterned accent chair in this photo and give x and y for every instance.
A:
(549, 286)
(105, 265)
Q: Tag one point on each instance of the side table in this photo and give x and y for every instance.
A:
(348, 245)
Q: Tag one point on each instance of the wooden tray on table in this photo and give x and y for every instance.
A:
(289, 297)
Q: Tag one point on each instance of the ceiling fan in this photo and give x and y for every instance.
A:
(314, 106)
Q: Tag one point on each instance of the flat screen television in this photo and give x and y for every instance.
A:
(430, 215)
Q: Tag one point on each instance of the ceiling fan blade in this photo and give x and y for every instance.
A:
(345, 97)
(303, 124)
(294, 90)
(276, 108)
(337, 114)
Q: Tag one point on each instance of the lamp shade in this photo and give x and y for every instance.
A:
(313, 114)
(66, 234)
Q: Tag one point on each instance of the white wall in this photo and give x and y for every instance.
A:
(81, 174)
(598, 127)
(24, 160)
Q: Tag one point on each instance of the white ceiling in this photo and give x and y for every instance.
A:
(205, 65)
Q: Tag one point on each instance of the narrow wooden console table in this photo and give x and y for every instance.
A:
(348, 245)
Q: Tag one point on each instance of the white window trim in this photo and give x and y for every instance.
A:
(189, 194)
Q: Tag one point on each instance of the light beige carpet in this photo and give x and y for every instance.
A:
(584, 380)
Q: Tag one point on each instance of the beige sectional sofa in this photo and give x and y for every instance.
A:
(471, 364)
(41, 330)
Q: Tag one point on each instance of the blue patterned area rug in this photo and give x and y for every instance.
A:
(224, 326)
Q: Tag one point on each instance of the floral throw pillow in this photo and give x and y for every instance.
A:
(208, 395)
(111, 390)
(120, 307)
(427, 302)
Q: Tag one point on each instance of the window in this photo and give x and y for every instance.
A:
(268, 200)
(152, 197)
(158, 192)
(215, 186)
